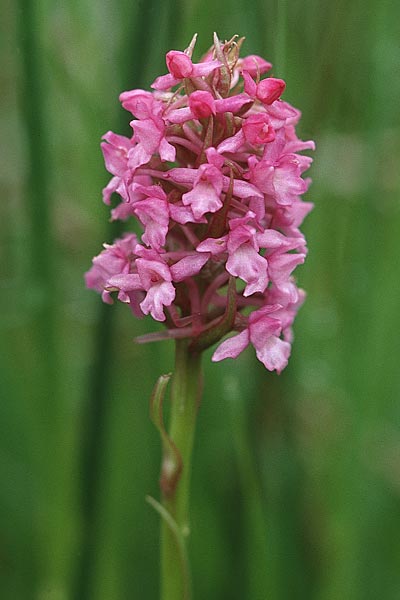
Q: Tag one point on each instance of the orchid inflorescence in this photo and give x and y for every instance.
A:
(213, 175)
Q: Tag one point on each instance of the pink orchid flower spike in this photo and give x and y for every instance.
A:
(213, 176)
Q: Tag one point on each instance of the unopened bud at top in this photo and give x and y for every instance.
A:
(202, 104)
(270, 89)
(179, 64)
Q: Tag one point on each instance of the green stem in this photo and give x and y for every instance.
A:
(185, 398)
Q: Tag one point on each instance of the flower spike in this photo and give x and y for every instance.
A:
(213, 174)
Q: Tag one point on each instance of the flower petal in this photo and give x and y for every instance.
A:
(274, 354)
(188, 266)
(232, 347)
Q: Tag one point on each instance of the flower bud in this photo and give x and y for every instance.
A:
(179, 64)
(202, 104)
(270, 89)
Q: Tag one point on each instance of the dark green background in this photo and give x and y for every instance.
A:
(296, 485)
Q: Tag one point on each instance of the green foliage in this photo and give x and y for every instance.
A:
(296, 478)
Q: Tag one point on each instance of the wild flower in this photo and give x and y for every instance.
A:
(213, 175)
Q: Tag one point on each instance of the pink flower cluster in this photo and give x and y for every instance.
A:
(213, 175)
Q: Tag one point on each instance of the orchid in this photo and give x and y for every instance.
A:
(213, 175)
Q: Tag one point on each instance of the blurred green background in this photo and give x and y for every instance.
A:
(296, 484)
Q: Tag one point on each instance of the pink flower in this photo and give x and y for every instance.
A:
(180, 65)
(244, 259)
(153, 213)
(150, 139)
(140, 103)
(201, 104)
(124, 209)
(258, 130)
(188, 266)
(242, 247)
(115, 151)
(213, 176)
(156, 279)
(255, 65)
(263, 333)
(281, 180)
(114, 259)
(206, 192)
(267, 91)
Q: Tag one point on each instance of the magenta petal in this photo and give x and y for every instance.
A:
(205, 68)
(202, 104)
(274, 354)
(232, 103)
(148, 134)
(258, 129)
(139, 102)
(164, 82)
(232, 347)
(270, 89)
(125, 283)
(167, 151)
(250, 86)
(110, 188)
(202, 199)
(255, 65)
(214, 158)
(122, 211)
(138, 156)
(182, 175)
(262, 326)
(183, 214)
(154, 214)
(179, 64)
(115, 152)
(213, 245)
(274, 240)
(188, 266)
(247, 264)
(158, 296)
(151, 272)
(281, 265)
(243, 189)
(232, 144)
(179, 115)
